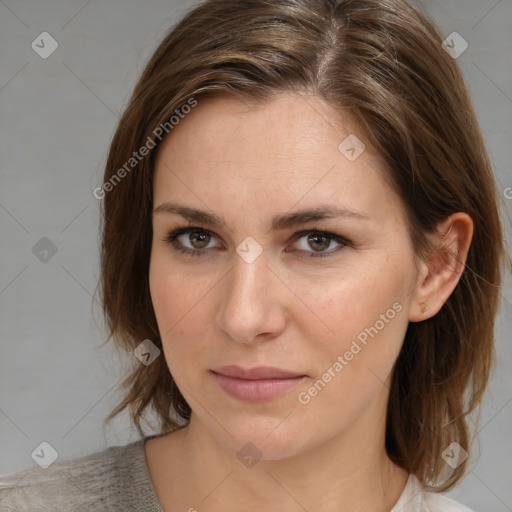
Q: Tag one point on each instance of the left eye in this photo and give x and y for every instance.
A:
(320, 240)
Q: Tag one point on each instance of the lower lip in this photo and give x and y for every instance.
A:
(257, 389)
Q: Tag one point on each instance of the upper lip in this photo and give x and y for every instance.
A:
(258, 372)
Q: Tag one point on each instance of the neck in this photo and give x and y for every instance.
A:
(348, 472)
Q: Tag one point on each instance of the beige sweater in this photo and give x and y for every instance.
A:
(117, 479)
(113, 480)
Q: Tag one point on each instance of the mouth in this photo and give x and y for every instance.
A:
(256, 384)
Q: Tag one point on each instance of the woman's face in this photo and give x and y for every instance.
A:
(257, 293)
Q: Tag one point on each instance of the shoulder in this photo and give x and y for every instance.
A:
(439, 503)
(99, 481)
(415, 498)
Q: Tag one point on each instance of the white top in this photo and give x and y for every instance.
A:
(117, 479)
(416, 499)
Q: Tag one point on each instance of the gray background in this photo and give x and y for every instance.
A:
(57, 116)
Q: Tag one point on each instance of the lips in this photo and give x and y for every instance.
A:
(256, 384)
(259, 372)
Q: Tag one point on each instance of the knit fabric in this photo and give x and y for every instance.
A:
(117, 479)
(113, 480)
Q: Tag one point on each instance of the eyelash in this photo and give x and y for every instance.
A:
(171, 240)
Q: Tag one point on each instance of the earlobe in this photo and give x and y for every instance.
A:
(443, 271)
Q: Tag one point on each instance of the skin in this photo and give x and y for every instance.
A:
(247, 164)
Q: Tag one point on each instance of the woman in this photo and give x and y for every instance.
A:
(302, 246)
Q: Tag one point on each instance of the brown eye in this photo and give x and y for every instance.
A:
(194, 243)
(199, 239)
(319, 242)
(315, 244)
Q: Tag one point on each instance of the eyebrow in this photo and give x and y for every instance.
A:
(279, 222)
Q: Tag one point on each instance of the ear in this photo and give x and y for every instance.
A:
(439, 276)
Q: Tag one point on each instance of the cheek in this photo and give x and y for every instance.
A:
(176, 295)
(361, 314)
(180, 303)
(162, 284)
(350, 367)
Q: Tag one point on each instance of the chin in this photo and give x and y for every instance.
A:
(263, 437)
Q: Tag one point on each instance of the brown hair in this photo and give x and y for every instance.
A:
(381, 60)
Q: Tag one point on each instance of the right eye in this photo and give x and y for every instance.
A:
(201, 237)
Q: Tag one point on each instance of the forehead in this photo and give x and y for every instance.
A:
(290, 126)
(277, 152)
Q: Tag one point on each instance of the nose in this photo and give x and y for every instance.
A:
(252, 308)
